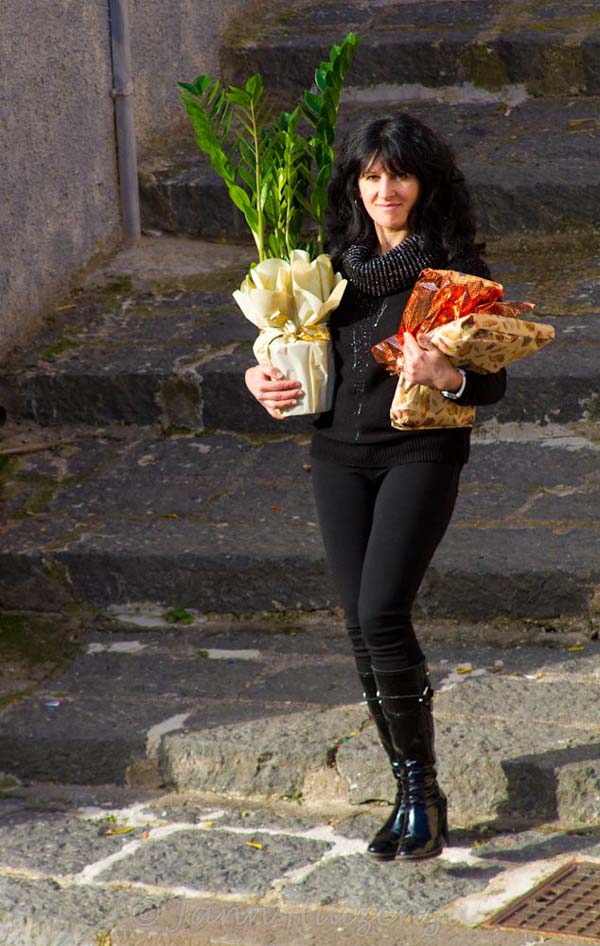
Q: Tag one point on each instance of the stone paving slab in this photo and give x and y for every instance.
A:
(245, 758)
(200, 861)
(55, 843)
(57, 734)
(183, 383)
(559, 383)
(414, 890)
(540, 772)
(43, 913)
(190, 882)
(197, 565)
(521, 777)
(502, 694)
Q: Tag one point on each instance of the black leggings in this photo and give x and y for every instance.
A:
(381, 527)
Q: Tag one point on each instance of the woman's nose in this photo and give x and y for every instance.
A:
(386, 184)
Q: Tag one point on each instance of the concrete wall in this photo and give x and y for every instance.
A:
(172, 40)
(58, 183)
(59, 195)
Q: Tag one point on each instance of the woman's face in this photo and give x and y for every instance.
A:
(388, 197)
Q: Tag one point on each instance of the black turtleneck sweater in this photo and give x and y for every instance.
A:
(357, 430)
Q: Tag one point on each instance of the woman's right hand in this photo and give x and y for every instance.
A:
(270, 389)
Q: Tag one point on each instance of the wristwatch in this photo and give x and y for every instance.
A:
(454, 395)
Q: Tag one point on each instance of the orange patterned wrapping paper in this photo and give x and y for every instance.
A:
(464, 317)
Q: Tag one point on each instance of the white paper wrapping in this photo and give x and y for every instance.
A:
(290, 303)
(311, 363)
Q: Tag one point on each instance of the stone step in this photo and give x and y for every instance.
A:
(269, 716)
(226, 523)
(528, 775)
(547, 48)
(177, 356)
(527, 166)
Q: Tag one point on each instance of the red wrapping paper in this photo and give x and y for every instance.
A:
(441, 296)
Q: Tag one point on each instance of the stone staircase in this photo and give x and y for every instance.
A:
(139, 476)
(491, 44)
(529, 166)
(513, 87)
(169, 485)
(516, 91)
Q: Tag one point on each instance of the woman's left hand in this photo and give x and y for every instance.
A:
(424, 363)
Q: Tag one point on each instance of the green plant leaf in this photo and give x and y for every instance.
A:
(203, 83)
(275, 174)
(321, 78)
(314, 102)
(178, 616)
(254, 86)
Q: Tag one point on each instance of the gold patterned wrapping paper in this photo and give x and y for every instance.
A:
(416, 407)
(290, 303)
(464, 317)
(488, 341)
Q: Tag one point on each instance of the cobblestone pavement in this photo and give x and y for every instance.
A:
(273, 860)
(78, 862)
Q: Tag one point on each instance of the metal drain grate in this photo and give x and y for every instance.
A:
(567, 903)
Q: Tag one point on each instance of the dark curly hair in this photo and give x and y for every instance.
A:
(443, 214)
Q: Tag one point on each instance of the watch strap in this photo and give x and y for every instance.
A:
(454, 395)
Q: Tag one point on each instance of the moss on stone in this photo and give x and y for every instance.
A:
(11, 486)
(591, 407)
(65, 344)
(33, 490)
(533, 15)
(34, 640)
(260, 20)
(224, 279)
(174, 431)
(484, 68)
(44, 490)
(58, 573)
(562, 72)
(117, 285)
(9, 467)
(179, 616)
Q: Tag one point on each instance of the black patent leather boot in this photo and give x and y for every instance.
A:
(385, 842)
(426, 821)
(405, 698)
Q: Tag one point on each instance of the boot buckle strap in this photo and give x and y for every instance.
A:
(425, 697)
(370, 699)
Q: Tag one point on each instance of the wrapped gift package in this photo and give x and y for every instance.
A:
(311, 363)
(488, 341)
(463, 316)
(290, 303)
(416, 406)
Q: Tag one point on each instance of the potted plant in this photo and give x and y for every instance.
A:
(276, 169)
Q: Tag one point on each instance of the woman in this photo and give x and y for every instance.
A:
(384, 496)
